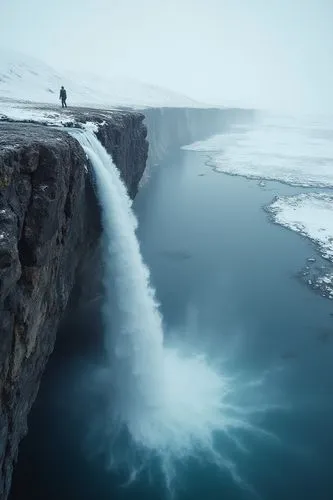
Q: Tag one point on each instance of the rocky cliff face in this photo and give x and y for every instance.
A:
(124, 139)
(49, 227)
(169, 128)
(49, 233)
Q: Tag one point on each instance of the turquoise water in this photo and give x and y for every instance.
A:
(215, 256)
(227, 282)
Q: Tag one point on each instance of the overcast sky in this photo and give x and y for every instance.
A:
(263, 53)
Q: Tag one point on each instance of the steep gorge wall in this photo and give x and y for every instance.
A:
(49, 228)
(171, 128)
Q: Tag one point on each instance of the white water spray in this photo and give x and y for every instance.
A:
(171, 406)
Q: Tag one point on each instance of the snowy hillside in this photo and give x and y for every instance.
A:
(26, 78)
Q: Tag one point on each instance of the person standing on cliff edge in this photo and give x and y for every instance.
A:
(63, 97)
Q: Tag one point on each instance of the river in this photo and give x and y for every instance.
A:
(227, 281)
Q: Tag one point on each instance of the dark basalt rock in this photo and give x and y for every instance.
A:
(49, 231)
(123, 134)
(43, 237)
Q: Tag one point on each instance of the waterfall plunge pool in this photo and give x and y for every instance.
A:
(227, 282)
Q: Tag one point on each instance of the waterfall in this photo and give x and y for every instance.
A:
(171, 406)
(133, 324)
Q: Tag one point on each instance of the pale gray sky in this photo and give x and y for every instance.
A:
(266, 53)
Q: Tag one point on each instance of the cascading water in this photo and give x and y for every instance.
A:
(171, 407)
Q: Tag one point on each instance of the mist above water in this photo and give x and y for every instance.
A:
(160, 406)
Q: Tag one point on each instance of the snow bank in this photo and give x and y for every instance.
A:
(25, 112)
(310, 215)
(297, 151)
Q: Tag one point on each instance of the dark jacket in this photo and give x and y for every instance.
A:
(63, 94)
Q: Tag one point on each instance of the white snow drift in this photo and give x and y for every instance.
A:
(310, 215)
(297, 151)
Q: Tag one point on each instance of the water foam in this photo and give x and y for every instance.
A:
(171, 407)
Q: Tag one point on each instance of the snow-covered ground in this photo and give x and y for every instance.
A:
(28, 79)
(297, 151)
(22, 111)
(310, 215)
